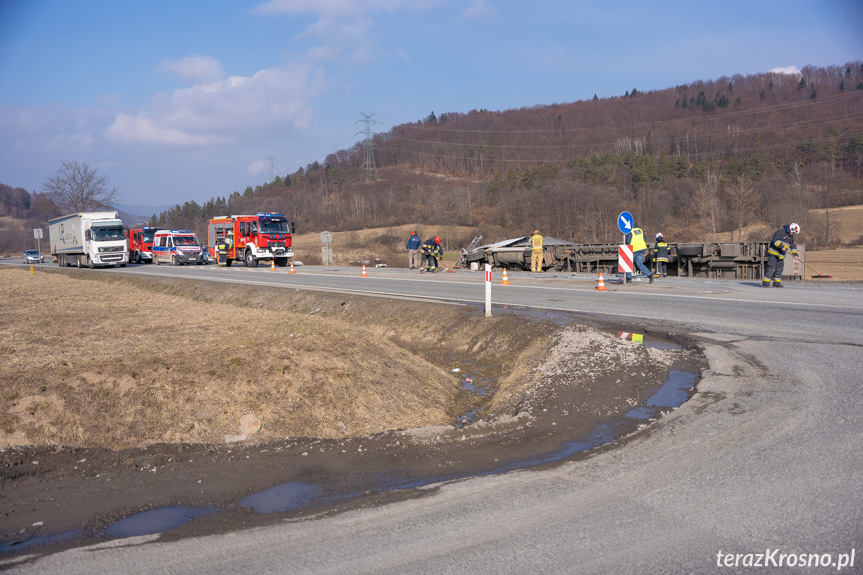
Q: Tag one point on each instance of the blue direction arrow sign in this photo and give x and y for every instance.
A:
(625, 222)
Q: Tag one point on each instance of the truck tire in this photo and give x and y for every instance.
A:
(251, 260)
(228, 262)
(90, 263)
(281, 262)
(156, 260)
(175, 261)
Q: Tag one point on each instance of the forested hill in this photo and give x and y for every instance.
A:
(692, 161)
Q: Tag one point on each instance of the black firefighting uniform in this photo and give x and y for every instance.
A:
(780, 243)
(222, 252)
(660, 259)
(431, 251)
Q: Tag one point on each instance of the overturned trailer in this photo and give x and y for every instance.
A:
(730, 260)
(515, 253)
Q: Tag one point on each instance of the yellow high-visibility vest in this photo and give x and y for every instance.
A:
(638, 243)
(536, 241)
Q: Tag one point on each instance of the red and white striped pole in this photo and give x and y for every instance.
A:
(624, 260)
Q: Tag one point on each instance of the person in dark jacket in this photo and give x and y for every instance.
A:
(432, 250)
(780, 243)
(413, 248)
(660, 256)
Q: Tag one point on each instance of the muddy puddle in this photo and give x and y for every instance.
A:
(297, 478)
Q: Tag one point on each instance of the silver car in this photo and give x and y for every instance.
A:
(33, 257)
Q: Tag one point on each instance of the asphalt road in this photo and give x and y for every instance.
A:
(763, 465)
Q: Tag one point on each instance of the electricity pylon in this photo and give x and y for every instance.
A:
(369, 158)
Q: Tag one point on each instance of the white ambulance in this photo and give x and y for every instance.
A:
(178, 247)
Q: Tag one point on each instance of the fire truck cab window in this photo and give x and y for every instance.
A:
(242, 228)
(274, 226)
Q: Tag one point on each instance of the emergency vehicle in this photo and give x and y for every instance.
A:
(251, 238)
(177, 247)
(141, 244)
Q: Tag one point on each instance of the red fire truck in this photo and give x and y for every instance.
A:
(264, 236)
(141, 244)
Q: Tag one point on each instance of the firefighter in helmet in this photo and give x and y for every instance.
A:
(222, 251)
(780, 243)
(660, 256)
(431, 250)
(536, 251)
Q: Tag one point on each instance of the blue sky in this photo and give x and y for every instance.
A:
(188, 100)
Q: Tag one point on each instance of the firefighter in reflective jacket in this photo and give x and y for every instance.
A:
(536, 252)
(222, 252)
(660, 256)
(780, 243)
(431, 250)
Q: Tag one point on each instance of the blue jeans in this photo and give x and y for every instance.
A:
(638, 260)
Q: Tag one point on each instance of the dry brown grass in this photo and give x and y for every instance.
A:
(844, 264)
(378, 245)
(123, 362)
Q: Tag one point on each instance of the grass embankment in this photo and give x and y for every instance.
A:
(106, 360)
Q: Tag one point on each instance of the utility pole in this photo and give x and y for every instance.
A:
(369, 158)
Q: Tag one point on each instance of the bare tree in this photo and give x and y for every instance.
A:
(743, 202)
(76, 187)
(706, 204)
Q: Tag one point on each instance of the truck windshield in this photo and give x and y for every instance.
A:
(185, 241)
(278, 226)
(108, 234)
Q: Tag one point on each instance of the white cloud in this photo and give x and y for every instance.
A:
(256, 168)
(790, 70)
(478, 9)
(275, 100)
(344, 28)
(193, 69)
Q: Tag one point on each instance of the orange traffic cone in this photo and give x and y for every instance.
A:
(273, 264)
(292, 268)
(601, 285)
(505, 281)
(365, 275)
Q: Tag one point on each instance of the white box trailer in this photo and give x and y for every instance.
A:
(89, 239)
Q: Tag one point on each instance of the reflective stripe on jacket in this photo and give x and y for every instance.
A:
(780, 243)
(661, 249)
(536, 242)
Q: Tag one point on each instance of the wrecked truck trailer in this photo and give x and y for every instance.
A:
(727, 260)
(515, 253)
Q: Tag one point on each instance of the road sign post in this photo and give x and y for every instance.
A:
(487, 290)
(625, 223)
(37, 233)
(326, 249)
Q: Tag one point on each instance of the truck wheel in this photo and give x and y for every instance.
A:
(281, 262)
(156, 260)
(228, 262)
(90, 263)
(60, 260)
(174, 261)
(251, 260)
